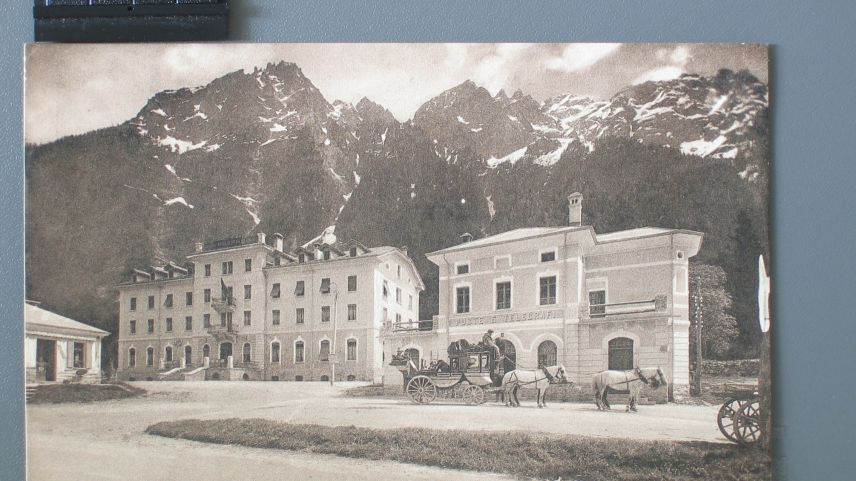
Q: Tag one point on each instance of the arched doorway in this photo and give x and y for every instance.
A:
(508, 353)
(246, 353)
(206, 351)
(413, 354)
(225, 350)
(621, 354)
(547, 354)
(188, 355)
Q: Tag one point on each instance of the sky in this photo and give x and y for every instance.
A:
(75, 88)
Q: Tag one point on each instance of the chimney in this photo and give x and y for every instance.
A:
(277, 242)
(404, 250)
(198, 246)
(261, 236)
(575, 209)
(466, 237)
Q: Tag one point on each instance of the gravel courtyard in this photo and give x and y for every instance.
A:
(105, 440)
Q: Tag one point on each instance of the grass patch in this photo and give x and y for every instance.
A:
(515, 453)
(375, 390)
(83, 393)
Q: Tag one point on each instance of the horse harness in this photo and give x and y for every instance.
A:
(549, 377)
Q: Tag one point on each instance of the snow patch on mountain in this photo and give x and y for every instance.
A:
(510, 158)
(178, 200)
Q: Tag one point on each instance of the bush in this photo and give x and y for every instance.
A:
(736, 368)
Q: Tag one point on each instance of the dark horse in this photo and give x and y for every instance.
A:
(612, 381)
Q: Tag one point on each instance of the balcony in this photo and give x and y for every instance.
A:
(602, 311)
(416, 326)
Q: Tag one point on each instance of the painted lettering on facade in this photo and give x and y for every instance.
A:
(501, 318)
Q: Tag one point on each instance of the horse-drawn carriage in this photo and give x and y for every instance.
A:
(739, 419)
(473, 371)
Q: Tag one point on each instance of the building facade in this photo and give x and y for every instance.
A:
(566, 295)
(58, 349)
(244, 309)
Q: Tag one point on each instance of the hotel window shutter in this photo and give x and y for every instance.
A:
(325, 285)
(69, 354)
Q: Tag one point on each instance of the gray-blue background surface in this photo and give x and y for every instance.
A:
(814, 135)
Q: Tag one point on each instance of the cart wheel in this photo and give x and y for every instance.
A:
(747, 423)
(725, 418)
(473, 394)
(421, 390)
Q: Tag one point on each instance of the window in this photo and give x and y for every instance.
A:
(385, 290)
(352, 349)
(228, 295)
(298, 378)
(398, 319)
(462, 296)
(385, 314)
(352, 283)
(410, 302)
(150, 326)
(168, 301)
(151, 302)
(275, 317)
(326, 255)
(168, 324)
(351, 377)
(188, 298)
(325, 285)
(246, 353)
(248, 265)
(207, 270)
(78, 355)
(597, 303)
(150, 356)
(248, 318)
(353, 252)
(352, 312)
(462, 268)
(299, 314)
(398, 295)
(548, 354)
(274, 352)
(248, 292)
(621, 354)
(548, 256)
(300, 289)
(298, 353)
(503, 295)
(226, 267)
(324, 353)
(133, 302)
(226, 319)
(301, 258)
(188, 323)
(167, 354)
(547, 290)
(398, 271)
(206, 320)
(206, 295)
(325, 313)
(132, 358)
(206, 351)
(274, 292)
(133, 328)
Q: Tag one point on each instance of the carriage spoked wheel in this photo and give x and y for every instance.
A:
(747, 422)
(473, 394)
(726, 416)
(421, 390)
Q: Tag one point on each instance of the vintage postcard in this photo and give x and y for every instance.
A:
(387, 261)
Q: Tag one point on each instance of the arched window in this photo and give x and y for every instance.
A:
(206, 351)
(150, 356)
(509, 354)
(274, 352)
(167, 355)
(547, 354)
(351, 377)
(132, 358)
(324, 353)
(325, 377)
(621, 354)
(298, 354)
(413, 354)
(352, 349)
(188, 355)
(246, 352)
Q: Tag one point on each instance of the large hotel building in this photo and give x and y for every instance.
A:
(243, 309)
(551, 295)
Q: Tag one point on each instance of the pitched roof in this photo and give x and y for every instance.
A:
(37, 316)
(511, 235)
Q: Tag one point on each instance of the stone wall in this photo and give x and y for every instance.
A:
(735, 368)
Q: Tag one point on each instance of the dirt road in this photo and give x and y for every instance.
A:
(106, 440)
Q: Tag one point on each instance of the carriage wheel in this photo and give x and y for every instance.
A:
(473, 394)
(421, 390)
(747, 423)
(725, 418)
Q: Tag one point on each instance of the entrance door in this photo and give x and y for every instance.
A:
(45, 360)
(509, 359)
(225, 350)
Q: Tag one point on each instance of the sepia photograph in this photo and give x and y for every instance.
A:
(385, 261)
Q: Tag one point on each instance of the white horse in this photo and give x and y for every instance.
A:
(540, 379)
(605, 382)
